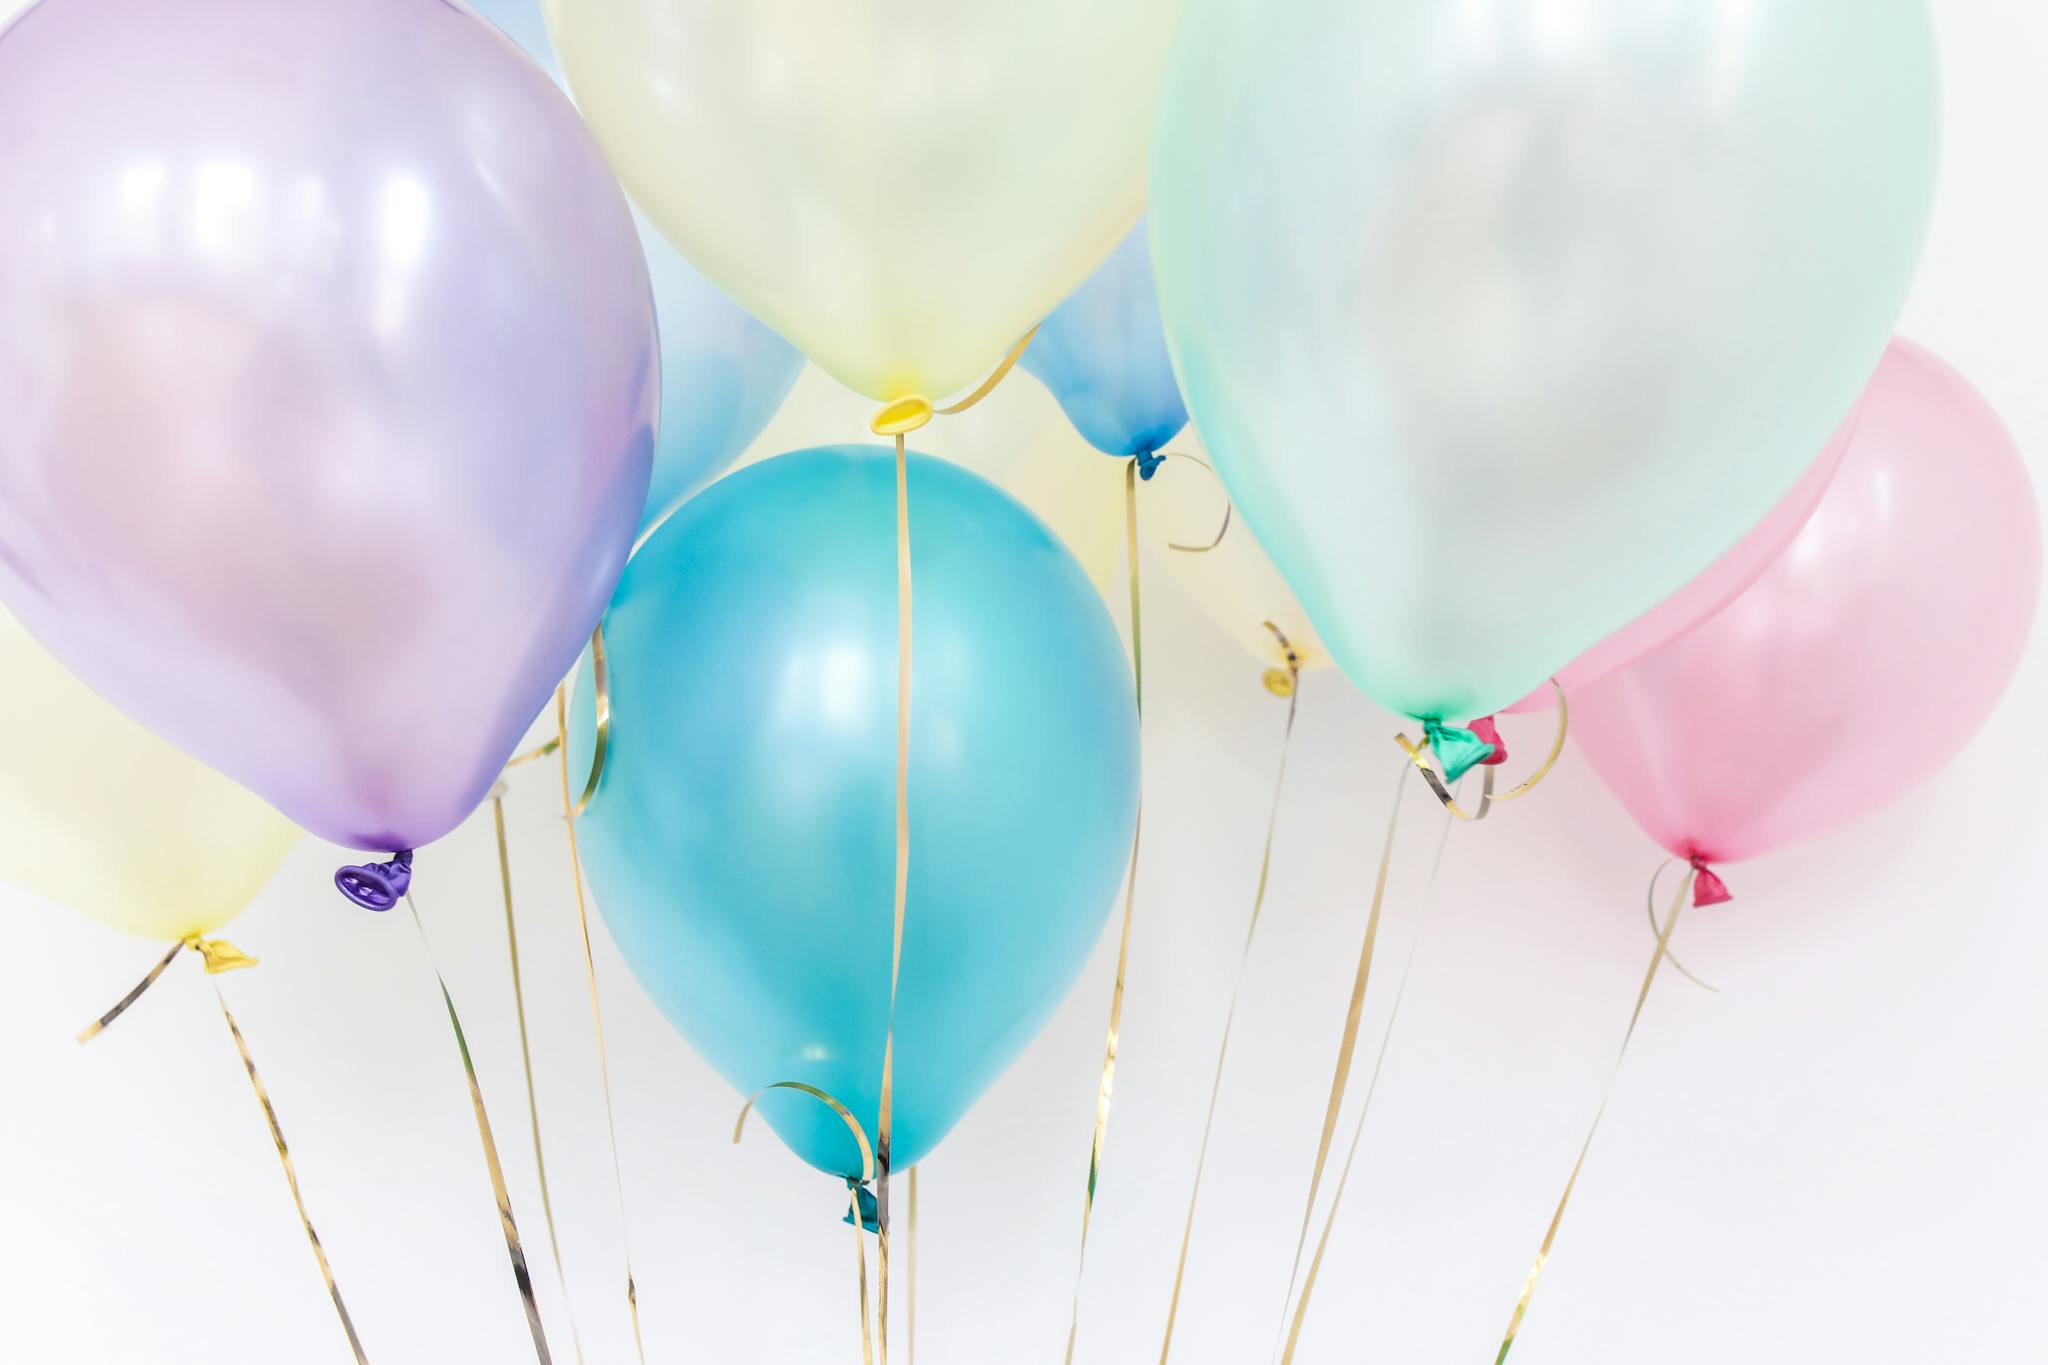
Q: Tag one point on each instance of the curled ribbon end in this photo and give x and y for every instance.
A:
(1488, 731)
(1707, 888)
(377, 886)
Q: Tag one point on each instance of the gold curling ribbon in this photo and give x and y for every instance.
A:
(571, 812)
(1347, 1043)
(1229, 510)
(1315, 1264)
(521, 1276)
(853, 1187)
(540, 1163)
(218, 956)
(899, 419)
(1419, 755)
(1123, 947)
(1237, 985)
(1650, 909)
(1507, 1342)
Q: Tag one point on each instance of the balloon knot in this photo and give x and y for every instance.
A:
(903, 416)
(870, 1211)
(1707, 888)
(1458, 749)
(377, 886)
(1148, 462)
(1488, 731)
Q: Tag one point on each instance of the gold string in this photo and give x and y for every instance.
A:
(860, 1257)
(1237, 986)
(291, 1178)
(1348, 1042)
(218, 956)
(540, 1163)
(1550, 1234)
(1315, 1264)
(1650, 909)
(1419, 755)
(1123, 947)
(601, 702)
(1229, 509)
(571, 812)
(521, 1276)
(912, 1277)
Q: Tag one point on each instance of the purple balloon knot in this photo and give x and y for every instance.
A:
(1707, 888)
(377, 886)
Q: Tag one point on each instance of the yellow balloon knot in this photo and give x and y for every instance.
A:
(903, 416)
(219, 955)
(1280, 682)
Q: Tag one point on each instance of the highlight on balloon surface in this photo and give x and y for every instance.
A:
(1440, 366)
(740, 841)
(290, 474)
(723, 374)
(100, 816)
(1862, 660)
(883, 182)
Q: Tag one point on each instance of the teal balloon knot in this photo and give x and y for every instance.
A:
(1148, 462)
(870, 1211)
(1457, 749)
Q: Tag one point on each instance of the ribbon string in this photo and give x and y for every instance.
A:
(1123, 948)
(1507, 1342)
(522, 1277)
(1347, 1044)
(1236, 987)
(1315, 1264)
(572, 811)
(218, 956)
(540, 1163)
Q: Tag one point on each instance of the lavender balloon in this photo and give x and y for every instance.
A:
(327, 387)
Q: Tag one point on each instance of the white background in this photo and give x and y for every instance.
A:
(1837, 1159)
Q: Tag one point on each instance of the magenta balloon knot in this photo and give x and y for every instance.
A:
(1148, 462)
(377, 886)
(1488, 731)
(1707, 888)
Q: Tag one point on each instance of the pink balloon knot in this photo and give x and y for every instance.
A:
(1707, 888)
(1488, 731)
(377, 886)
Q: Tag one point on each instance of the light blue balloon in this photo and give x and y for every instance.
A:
(1103, 354)
(723, 374)
(741, 842)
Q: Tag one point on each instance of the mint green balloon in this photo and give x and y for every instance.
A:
(1504, 318)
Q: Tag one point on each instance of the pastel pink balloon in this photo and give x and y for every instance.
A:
(1861, 661)
(1718, 585)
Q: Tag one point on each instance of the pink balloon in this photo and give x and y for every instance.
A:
(1718, 585)
(1861, 661)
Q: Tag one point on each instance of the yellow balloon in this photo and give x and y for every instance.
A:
(900, 187)
(98, 814)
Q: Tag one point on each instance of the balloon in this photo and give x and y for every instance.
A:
(1103, 355)
(723, 374)
(1718, 585)
(1861, 661)
(1504, 321)
(900, 187)
(328, 384)
(98, 814)
(741, 842)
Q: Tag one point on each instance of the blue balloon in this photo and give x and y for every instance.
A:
(1103, 355)
(741, 842)
(723, 374)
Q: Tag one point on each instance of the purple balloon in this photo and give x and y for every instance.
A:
(328, 381)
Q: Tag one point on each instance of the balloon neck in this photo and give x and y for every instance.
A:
(1707, 887)
(1461, 748)
(1148, 462)
(870, 1211)
(902, 416)
(377, 886)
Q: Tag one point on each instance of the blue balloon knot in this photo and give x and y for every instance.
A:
(1457, 749)
(870, 1211)
(1148, 462)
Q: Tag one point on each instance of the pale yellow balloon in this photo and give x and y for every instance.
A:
(98, 814)
(900, 187)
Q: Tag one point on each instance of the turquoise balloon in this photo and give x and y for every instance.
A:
(741, 842)
(1103, 355)
(1502, 321)
(723, 374)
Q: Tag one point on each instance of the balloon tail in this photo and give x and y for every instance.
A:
(540, 1163)
(572, 810)
(1557, 1217)
(1236, 987)
(1315, 1264)
(1701, 891)
(522, 1277)
(1419, 755)
(377, 886)
(1347, 1044)
(218, 956)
